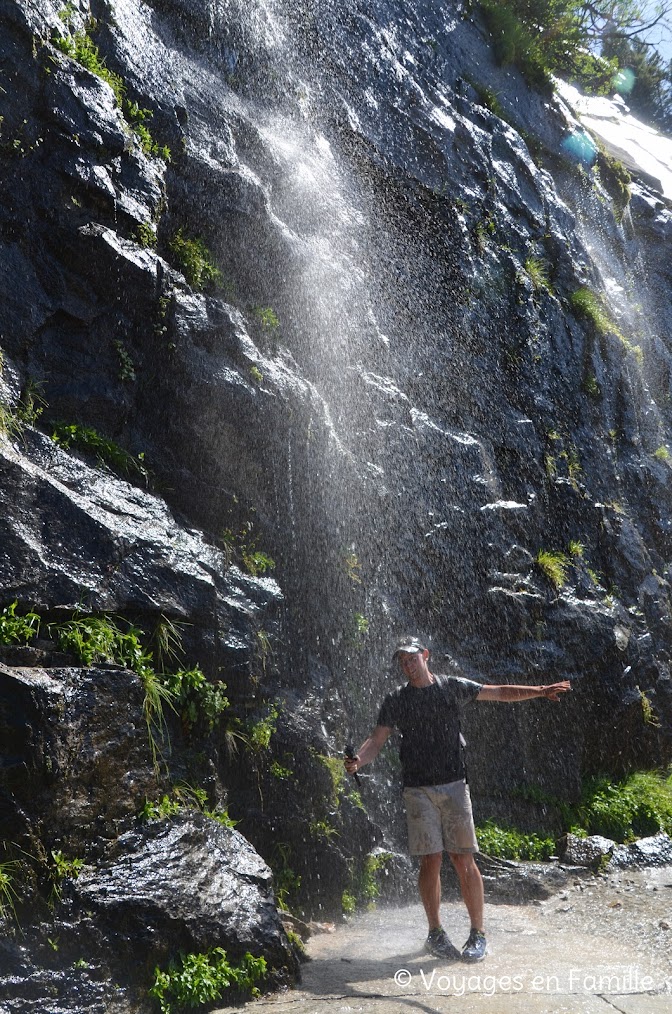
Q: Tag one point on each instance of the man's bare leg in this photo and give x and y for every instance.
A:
(471, 886)
(429, 884)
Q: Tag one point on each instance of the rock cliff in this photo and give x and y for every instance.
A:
(339, 339)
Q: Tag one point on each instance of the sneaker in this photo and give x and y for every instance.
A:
(438, 944)
(474, 949)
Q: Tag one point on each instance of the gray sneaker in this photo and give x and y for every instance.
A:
(438, 944)
(475, 947)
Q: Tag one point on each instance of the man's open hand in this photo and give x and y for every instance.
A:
(553, 690)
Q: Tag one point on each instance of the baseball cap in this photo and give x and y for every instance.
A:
(411, 645)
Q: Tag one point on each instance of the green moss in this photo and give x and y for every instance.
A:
(589, 305)
(662, 453)
(617, 181)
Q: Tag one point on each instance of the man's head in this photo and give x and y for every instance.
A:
(412, 657)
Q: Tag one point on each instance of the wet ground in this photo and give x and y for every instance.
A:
(602, 945)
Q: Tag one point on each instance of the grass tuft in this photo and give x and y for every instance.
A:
(554, 566)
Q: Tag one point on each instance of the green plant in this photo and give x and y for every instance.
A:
(322, 830)
(286, 881)
(544, 37)
(195, 261)
(8, 896)
(86, 440)
(137, 118)
(61, 868)
(184, 797)
(261, 731)
(537, 270)
(17, 629)
(353, 567)
(281, 773)
(198, 979)
(616, 179)
(126, 364)
(367, 884)
(145, 234)
(361, 625)
(648, 714)
(589, 305)
(334, 766)
(348, 903)
(591, 386)
(256, 562)
(196, 698)
(100, 639)
(297, 944)
(554, 565)
(575, 548)
(636, 806)
(662, 453)
(510, 843)
(79, 46)
(488, 98)
(157, 696)
(256, 374)
(167, 642)
(266, 317)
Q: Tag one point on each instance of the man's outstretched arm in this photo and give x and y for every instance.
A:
(369, 749)
(513, 692)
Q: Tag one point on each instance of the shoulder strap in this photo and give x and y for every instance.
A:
(443, 685)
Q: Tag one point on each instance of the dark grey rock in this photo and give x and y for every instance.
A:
(77, 760)
(186, 884)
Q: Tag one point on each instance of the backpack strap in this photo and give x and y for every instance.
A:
(443, 686)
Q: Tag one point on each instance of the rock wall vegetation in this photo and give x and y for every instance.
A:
(311, 334)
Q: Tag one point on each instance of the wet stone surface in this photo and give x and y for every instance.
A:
(597, 946)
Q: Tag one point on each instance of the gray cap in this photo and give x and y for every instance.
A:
(411, 645)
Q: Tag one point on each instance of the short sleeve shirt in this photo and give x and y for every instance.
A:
(428, 719)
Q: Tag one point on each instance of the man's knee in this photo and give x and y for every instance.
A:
(464, 862)
(432, 861)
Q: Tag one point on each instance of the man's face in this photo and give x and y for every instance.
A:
(413, 665)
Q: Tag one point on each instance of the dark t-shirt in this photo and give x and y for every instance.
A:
(430, 729)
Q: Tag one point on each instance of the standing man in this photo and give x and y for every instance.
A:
(438, 807)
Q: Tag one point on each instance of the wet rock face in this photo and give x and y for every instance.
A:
(77, 761)
(186, 884)
(377, 394)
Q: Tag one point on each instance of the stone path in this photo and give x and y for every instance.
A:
(599, 947)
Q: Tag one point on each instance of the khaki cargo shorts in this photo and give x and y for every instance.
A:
(439, 817)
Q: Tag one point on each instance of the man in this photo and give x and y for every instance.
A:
(438, 807)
